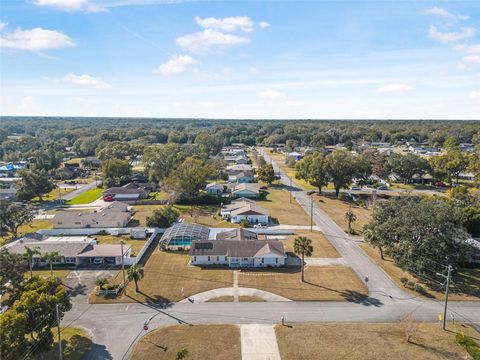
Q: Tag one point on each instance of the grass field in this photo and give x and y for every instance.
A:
(203, 342)
(367, 342)
(221, 299)
(321, 283)
(321, 246)
(278, 203)
(137, 245)
(76, 343)
(60, 273)
(336, 209)
(166, 274)
(53, 195)
(467, 279)
(87, 197)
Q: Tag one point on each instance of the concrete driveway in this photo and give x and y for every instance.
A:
(82, 282)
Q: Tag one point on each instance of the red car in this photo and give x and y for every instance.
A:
(439, 184)
(108, 198)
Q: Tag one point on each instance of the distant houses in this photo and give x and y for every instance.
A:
(72, 250)
(251, 191)
(245, 209)
(131, 191)
(114, 215)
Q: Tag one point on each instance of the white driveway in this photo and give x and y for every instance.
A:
(259, 342)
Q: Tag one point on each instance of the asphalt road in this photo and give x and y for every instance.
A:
(81, 190)
(116, 327)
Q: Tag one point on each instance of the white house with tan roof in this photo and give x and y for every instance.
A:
(245, 209)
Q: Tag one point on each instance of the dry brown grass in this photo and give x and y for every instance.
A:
(136, 244)
(34, 226)
(321, 283)
(203, 342)
(467, 279)
(366, 342)
(321, 246)
(165, 275)
(336, 209)
(250, 299)
(278, 203)
(140, 213)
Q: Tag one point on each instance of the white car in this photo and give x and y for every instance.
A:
(98, 261)
(259, 226)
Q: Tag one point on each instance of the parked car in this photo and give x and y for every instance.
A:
(108, 198)
(383, 187)
(259, 226)
(439, 184)
(98, 261)
(355, 188)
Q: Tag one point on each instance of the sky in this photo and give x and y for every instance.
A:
(241, 59)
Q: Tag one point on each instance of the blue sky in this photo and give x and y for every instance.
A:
(245, 59)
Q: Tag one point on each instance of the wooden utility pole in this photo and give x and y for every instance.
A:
(311, 214)
(449, 269)
(59, 337)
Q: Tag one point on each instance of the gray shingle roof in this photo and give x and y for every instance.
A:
(236, 248)
(237, 234)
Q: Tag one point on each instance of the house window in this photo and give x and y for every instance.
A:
(263, 260)
(209, 258)
(218, 258)
(276, 260)
(77, 223)
(245, 259)
(225, 258)
(194, 258)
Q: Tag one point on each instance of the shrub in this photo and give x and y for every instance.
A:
(410, 284)
(404, 281)
(420, 289)
(471, 346)
(163, 217)
(101, 282)
(244, 223)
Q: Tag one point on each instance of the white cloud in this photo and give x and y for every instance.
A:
(272, 95)
(472, 59)
(446, 37)
(208, 39)
(35, 39)
(469, 49)
(3, 25)
(71, 5)
(263, 24)
(475, 95)
(394, 88)
(85, 80)
(227, 24)
(176, 65)
(253, 70)
(436, 11)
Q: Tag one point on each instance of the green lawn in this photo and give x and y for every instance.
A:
(76, 343)
(87, 197)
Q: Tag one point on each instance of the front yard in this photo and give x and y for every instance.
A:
(369, 342)
(166, 274)
(468, 280)
(203, 342)
(86, 197)
(76, 343)
(325, 283)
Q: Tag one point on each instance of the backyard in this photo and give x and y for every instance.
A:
(326, 283)
(369, 341)
(137, 244)
(203, 342)
(34, 226)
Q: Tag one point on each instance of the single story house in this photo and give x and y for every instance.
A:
(253, 213)
(241, 177)
(72, 250)
(246, 190)
(125, 194)
(226, 210)
(296, 155)
(235, 254)
(214, 188)
(238, 168)
(114, 215)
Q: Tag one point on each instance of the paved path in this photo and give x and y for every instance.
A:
(232, 291)
(81, 190)
(259, 342)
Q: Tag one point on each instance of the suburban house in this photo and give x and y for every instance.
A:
(236, 159)
(235, 254)
(142, 186)
(226, 210)
(114, 215)
(126, 192)
(246, 190)
(215, 188)
(10, 169)
(239, 234)
(238, 168)
(241, 177)
(72, 250)
(253, 213)
(296, 155)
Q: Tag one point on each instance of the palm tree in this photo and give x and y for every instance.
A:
(303, 246)
(371, 238)
(350, 217)
(135, 273)
(50, 257)
(101, 282)
(29, 253)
